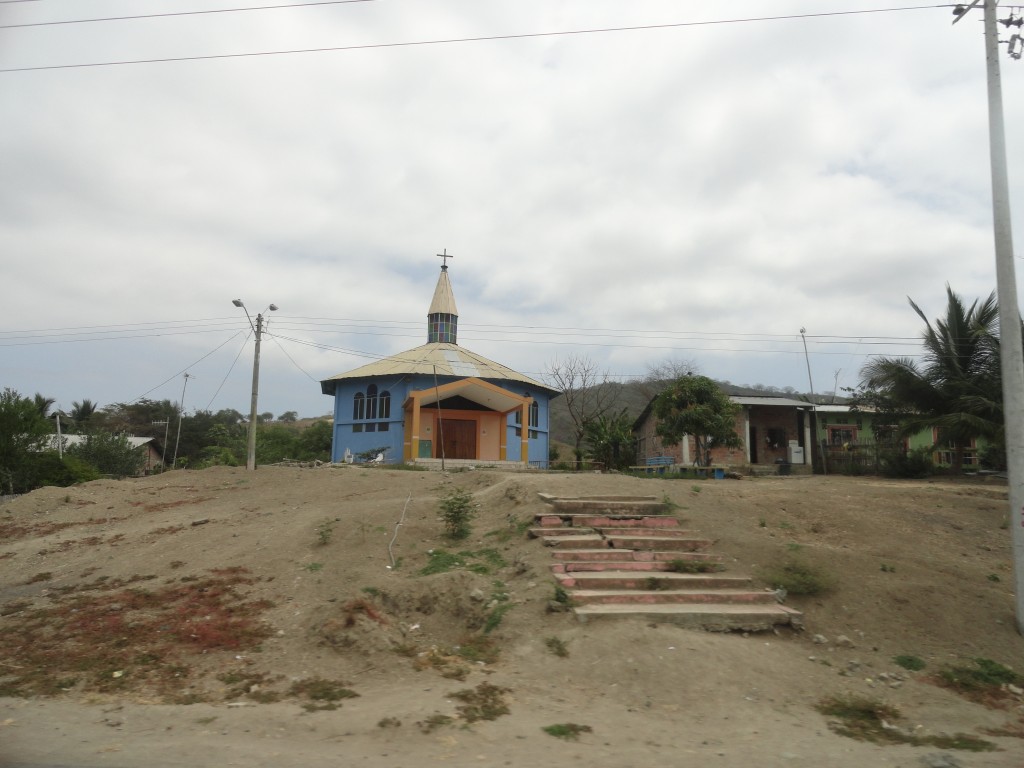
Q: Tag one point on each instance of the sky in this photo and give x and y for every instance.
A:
(696, 186)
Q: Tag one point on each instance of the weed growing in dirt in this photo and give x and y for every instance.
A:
(442, 561)
(798, 577)
(888, 568)
(557, 646)
(389, 722)
(327, 693)
(485, 702)
(653, 584)
(695, 488)
(457, 510)
(567, 731)
(985, 682)
(478, 648)
(871, 720)
(325, 531)
(434, 722)
(500, 606)
(910, 663)
(562, 596)
(314, 567)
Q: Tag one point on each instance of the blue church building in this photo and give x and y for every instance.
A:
(441, 401)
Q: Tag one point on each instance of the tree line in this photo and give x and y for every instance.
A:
(30, 456)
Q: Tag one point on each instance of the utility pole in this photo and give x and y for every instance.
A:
(181, 415)
(250, 462)
(1011, 351)
(814, 405)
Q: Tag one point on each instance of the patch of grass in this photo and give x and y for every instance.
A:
(483, 561)
(457, 510)
(984, 682)
(42, 576)
(567, 731)
(653, 584)
(434, 722)
(314, 567)
(562, 596)
(557, 646)
(908, 662)
(319, 689)
(478, 648)
(871, 720)
(325, 531)
(695, 488)
(389, 722)
(888, 568)
(799, 577)
(993, 577)
(485, 702)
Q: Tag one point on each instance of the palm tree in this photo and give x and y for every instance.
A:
(956, 387)
(43, 405)
(81, 412)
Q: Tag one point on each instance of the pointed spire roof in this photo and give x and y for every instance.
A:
(444, 298)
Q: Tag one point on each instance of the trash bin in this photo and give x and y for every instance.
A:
(783, 467)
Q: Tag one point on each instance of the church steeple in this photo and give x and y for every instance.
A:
(443, 315)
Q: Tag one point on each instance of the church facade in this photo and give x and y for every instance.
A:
(440, 401)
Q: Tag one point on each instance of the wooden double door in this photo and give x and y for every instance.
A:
(458, 437)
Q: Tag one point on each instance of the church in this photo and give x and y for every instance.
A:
(440, 402)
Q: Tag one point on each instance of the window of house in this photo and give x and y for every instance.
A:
(371, 402)
(359, 407)
(534, 414)
(841, 435)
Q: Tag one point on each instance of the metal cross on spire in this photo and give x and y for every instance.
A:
(445, 256)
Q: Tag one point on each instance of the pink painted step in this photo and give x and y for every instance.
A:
(575, 541)
(569, 566)
(687, 596)
(590, 555)
(659, 543)
(538, 533)
(591, 520)
(610, 532)
(642, 580)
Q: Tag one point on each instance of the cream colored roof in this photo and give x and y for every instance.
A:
(449, 359)
(444, 299)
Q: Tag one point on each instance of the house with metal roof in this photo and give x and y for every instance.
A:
(774, 430)
(440, 402)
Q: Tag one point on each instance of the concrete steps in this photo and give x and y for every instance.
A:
(614, 559)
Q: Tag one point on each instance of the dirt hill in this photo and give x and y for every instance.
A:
(284, 618)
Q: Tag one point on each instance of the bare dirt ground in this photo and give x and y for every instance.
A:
(184, 620)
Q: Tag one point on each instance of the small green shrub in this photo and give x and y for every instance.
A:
(799, 577)
(911, 663)
(325, 531)
(485, 702)
(457, 510)
(982, 682)
(914, 464)
(557, 646)
(567, 731)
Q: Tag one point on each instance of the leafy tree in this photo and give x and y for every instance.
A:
(111, 454)
(957, 387)
(315, 441)
(289, 417)
(265, 416)
(24, 433)
(696, 406)
(609, 439)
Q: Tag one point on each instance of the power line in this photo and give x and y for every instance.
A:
(485, 38)
(175, 13)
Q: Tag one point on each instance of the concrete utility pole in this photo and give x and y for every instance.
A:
(1010, 343)
(250, 462)
(181, 415)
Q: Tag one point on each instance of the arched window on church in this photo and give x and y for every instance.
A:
(371, 401)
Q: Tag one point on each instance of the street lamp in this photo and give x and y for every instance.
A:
(250, 463)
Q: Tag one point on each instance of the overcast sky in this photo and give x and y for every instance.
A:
(693, 192)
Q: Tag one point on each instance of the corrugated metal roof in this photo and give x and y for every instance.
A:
(447, 359)
(779, 401)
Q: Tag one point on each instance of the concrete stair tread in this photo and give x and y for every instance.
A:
(542, 531)
(574, 541)
(667, 576)
(618, 609)
(583, 594)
